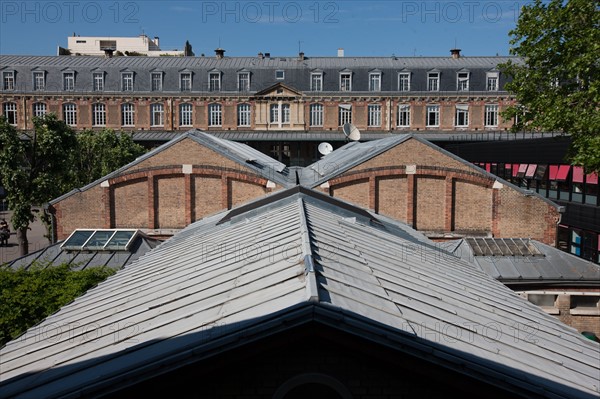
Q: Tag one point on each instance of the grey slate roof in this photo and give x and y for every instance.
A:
(551, 266)
(297, 73)
(115, 259)
(295, 256)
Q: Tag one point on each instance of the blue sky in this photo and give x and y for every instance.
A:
(243, 28)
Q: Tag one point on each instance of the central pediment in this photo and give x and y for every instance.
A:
(279, 90)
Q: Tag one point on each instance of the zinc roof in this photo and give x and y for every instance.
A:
(296, 254)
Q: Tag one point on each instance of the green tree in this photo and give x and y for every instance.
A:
(27, 297)
(557, 84)
(100, 153)
(34, 168)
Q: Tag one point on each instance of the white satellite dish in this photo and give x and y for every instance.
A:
(325, 148)
(351, 132)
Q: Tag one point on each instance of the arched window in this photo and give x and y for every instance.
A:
(70, 114)
(243, 115)
(312, 385)
(185, 115)
(157, 114)
(214, 115)
(39, 109)
(99, 115)
(127, 115)
(10, 112)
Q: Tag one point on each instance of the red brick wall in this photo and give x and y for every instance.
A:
(430, 194)
(130, 201)
(356, 192)
(391, 196)
(472, 207)
(170, 193)
(207, 195)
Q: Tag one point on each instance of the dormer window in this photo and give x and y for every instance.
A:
(185, 81)
(127, 81)
(404, 81)
(8, 80)
(316, 81)
(346, 81)
(375, 81)
(98, 81)
(157, 79)
(280, 74)
(462, 81)
(244, 81)
(492, 81)
(39, 81)
(214, 81)
(433, 81)
(68, 81)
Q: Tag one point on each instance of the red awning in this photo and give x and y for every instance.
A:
(577, 174)
(488, 167)
(515, 169)
(531, 170)
(553, 172)
(563, 171)
(592, 178)
(522, 170)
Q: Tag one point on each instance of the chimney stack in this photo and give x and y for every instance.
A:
(219, 53)
(261, 55)
(455, 53)
(340, 52)
(156, 41)
(301, 56)
(267, 55)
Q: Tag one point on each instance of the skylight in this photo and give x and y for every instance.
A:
(100, 240)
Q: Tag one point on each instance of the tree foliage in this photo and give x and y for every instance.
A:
(27, 297)
(100, 153)
(557, 86)
(35, 168)
(38, 166)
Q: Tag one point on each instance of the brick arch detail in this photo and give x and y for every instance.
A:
(449, 174)
(150, 175)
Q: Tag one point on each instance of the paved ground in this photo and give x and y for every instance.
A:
(35, 236)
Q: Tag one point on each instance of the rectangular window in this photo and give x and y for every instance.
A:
(99, 115)
(38, 80)
(491, 115)
(98, 81)
(214, 115)
(244, 81)
(316, 115)
(316, 81)
(433, 81)
(127, 115)
(345, 114)
(69, 81)
(10, 112)
(127, 81)
(157, 115)
(243, 115)
(185, 115)
(157, 81)
(39, 109)
(214, 81)
(274, 113)
(374, 82)
(185, 82)
(462, 116)
(374, 115)
(433, 115)
(462, 81)
(8, 78)
(404, 115)
(346, 82)
(492, 81)
(285, 113)
(279, 74)
(70, 114)
(404, 81)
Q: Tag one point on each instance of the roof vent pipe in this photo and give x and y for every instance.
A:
(219, 53)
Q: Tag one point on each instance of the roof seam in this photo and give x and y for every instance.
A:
(309, 264)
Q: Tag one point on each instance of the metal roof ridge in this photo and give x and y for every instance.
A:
(312, 289)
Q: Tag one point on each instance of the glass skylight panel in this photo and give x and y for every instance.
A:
(77, 239)
(99, 239)
(121, 240)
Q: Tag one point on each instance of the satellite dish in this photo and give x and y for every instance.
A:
(351, 132)
(325, 148)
